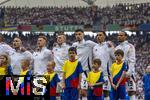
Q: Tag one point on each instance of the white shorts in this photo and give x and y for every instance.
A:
(131, 86)
(106, 85)
(84, 84)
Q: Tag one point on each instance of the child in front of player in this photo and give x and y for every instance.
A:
(95, 81)
(72, 72)
(117, 76)
(52, 81)
(146, 82)
(5, 69)
(25, 75)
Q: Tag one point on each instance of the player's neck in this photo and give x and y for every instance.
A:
(80, 41)
(100, 42)
(60, 44)
(40, 48)
(17, 49)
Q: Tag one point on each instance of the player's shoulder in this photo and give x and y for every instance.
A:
(96, 45)
(90, 42)
(75, 44)
(118, 47)
(47, 50)
(131, 45)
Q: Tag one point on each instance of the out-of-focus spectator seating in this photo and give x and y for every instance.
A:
(122, 14)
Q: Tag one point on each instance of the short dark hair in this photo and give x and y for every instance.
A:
(44, 37)
(119, 52)
(102, 32)
(73, 49)
(98, 61)
(79, 30)
(125, 33)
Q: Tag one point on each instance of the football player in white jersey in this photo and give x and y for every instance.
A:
(5, 48)
(130, 59)
(60, 51)
(84, 54)
(41, 56)
(104, 51)
(19, 54)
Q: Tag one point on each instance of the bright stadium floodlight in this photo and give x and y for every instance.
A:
(129, 33)
(89, 33)
(69, 33)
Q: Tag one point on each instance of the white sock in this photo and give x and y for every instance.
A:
(132, 97)
(84, 98)
(106, 98)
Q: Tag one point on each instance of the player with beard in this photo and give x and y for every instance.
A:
(41, 56)
(129, 59)
(104, 51)
(84, 54)
(19, 54)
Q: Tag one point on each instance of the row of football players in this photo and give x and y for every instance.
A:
(86, 51)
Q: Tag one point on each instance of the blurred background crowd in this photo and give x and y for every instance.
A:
(122, 14)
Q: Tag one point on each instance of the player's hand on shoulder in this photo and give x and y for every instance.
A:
(110, 44)
(23, 49)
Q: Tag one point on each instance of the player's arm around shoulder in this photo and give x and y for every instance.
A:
(91, 43)
(49, 54)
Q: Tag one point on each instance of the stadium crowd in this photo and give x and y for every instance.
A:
(122, 14)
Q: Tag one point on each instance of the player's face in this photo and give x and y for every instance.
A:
(60, 39)
(95, 66)
(79, 36)
(100, 37)
(3, 60)
(17, 43)
(72, 54)
(118, 57)
(121, 37)
(41, 42)
(50, 66)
